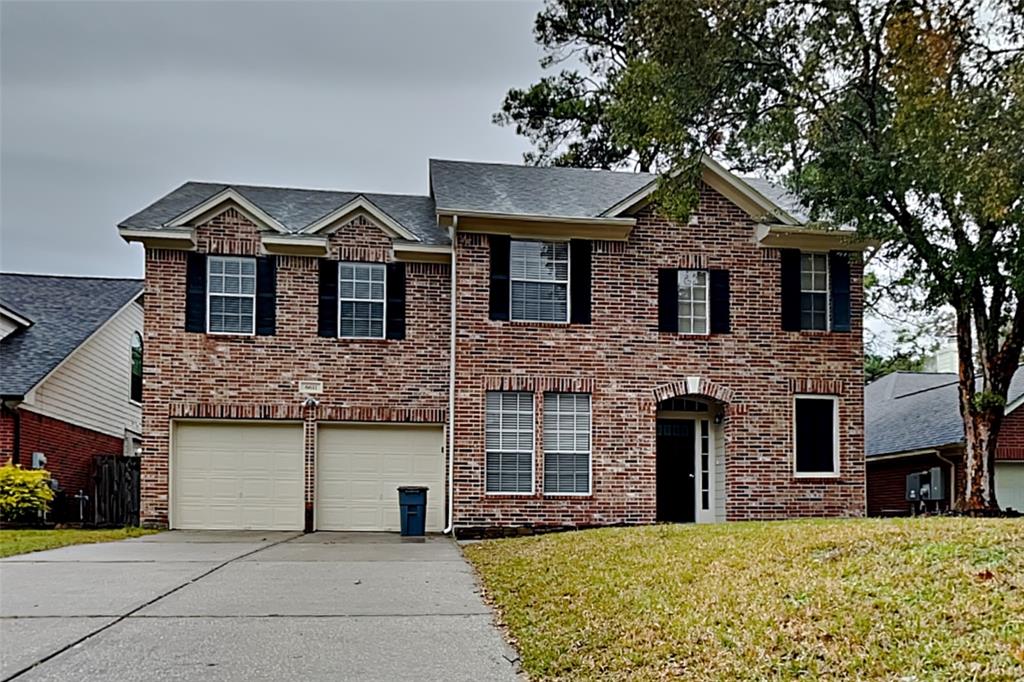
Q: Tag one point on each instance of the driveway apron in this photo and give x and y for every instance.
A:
(249, 606)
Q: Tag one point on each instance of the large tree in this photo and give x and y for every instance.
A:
(903, 118)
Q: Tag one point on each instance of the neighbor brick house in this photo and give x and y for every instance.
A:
(70, 373)
(539, 346)
(913, 423)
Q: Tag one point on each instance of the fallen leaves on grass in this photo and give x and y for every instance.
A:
(924, 599)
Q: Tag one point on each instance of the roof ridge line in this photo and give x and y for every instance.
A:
(925, 390)
(102, 277)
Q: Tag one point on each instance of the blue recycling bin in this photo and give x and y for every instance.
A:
(412, 502)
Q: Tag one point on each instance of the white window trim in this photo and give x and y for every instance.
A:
(827, 292)
(209, 261)
(590, 453)
(384, 325)
(568, 282)
(533, 451)
(131, 378)
(702, 515)
(707, 302)
(835, 437)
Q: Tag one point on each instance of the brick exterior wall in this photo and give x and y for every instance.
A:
(887, 480)
(621, 359)
(190, 375)
(1011, 437)
(629, 366)
(69, 449)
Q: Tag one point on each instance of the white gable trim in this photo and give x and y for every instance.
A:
(730, 183)
(223, 200)
(20, 319)
(336, 218)
(1014, 404)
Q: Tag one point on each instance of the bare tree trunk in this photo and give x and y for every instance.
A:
(981, 429)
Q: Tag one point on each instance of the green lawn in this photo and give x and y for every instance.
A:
(896, 599)
(24, 541)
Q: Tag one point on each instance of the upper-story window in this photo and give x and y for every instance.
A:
(693, 301)
(361, 300)
(539, 274)
(136, 355)
(814, 291)
(231, 295)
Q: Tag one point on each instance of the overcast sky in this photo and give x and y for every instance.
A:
(107, 106)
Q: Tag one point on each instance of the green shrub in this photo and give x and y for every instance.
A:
(24, 493)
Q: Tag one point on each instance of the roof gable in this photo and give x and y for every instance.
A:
(294, 210)
(65, 312)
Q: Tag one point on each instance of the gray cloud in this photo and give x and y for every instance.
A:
(107, 106)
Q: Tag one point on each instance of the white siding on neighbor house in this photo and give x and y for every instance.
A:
(7, 325)
(92, 388)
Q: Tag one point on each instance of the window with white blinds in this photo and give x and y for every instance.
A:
(567, 443)
(361, 300)
(231, 295)
(509, 442)
(539, 275)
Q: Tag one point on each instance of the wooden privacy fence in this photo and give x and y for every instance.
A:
(116, 491)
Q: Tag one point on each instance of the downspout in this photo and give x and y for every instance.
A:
(451, 387)
(952, 478)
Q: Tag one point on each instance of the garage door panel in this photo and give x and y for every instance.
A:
(1010, 485)
(359, 469)
(237, 475)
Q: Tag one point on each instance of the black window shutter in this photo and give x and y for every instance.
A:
(327, 304)
(790, 279)
(839, 279)
(500, 252)
(579, 280)
(668, 300)
(719, 296)
(395, 323)
(195, 293)
(266, 296)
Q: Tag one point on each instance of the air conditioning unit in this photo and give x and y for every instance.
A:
(926, 486)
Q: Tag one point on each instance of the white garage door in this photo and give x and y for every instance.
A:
(237, 475)
(360, 467)
(1010, 485)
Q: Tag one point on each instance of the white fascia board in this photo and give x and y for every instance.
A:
(811, 238)
(537, 218)
(166, 237)
(390, 225)
(228, 194)
(20, 319)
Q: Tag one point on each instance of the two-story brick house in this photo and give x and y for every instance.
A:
(539, 346)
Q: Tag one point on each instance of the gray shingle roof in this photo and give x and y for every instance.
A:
(906, 411)
(295, 208)
(530, 190)
(781, 197)
(64, 311)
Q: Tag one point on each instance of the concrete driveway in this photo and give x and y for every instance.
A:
(248, 606)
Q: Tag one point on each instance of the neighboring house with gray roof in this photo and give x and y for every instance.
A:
(70, 372)
(912, 423)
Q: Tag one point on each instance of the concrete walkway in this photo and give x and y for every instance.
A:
(248, 606)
